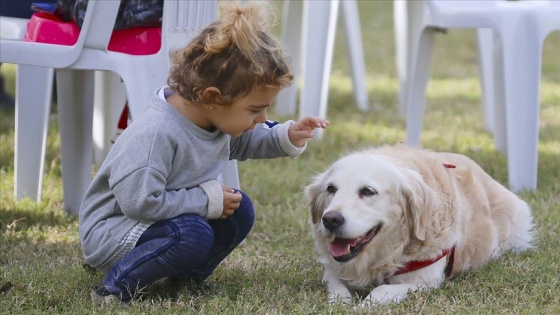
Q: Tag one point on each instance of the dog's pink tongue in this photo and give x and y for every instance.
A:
(340, 247)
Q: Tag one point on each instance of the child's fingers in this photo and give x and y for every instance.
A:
(226, 213)
(303, 134)
(314, 122)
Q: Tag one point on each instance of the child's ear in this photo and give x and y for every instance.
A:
(210, 95)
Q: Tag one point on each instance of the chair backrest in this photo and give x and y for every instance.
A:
(98, 23)
(183, 20)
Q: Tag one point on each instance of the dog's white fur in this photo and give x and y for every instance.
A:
(423, 207)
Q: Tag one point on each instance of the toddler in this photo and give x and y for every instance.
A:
(155, 208)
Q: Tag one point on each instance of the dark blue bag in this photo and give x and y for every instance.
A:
(132, 13)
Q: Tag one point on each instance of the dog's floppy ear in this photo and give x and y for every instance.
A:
(316, 199)
(419, 201)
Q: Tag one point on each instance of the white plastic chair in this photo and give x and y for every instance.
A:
(308, 35)
(485, 54)
(141, 74)
(520, 28)
(12, 27)
(33, 97)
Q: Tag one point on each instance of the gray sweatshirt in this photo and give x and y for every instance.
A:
(160, 167)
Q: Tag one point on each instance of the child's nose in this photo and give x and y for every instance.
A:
(262, 117)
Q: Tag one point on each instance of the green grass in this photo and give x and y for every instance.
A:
(276, 272)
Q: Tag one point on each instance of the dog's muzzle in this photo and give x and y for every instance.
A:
(345, 249)
(332, 220)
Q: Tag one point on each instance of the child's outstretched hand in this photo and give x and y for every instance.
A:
(232, 200)
(302, 130)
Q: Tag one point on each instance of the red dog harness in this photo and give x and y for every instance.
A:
(419, 264)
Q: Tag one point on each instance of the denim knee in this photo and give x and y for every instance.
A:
(195, 235)
(244, 216)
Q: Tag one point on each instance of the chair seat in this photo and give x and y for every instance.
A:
(48, 28)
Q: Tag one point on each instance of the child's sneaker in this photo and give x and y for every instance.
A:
(196, 286)
(204, 286)
(101, 295)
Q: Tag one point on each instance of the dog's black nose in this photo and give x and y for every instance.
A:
(332, 220)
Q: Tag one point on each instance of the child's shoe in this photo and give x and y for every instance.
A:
(196, 286)
(101, 295)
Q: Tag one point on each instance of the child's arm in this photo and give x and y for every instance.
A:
(272, 140)
(143, 195)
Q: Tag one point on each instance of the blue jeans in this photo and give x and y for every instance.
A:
(185, 247)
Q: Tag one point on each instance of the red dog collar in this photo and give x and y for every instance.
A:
(419, 264)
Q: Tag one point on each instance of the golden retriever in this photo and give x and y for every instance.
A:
(398, 219)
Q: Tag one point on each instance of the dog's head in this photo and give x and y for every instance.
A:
(363, 199)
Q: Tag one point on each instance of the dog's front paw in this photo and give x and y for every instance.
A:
(369, 303)
(380, 297)
(388, 294)
(338, 292)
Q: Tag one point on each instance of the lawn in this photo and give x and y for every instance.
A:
(276, 271)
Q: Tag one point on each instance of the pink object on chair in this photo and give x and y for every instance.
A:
(48, 28)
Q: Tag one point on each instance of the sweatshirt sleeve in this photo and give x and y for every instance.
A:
(142, 196)
(268, 140)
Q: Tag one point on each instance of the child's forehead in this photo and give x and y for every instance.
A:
(263, 91)
(266, 87)
(259, 96)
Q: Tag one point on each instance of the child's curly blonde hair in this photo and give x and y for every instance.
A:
(234, 54)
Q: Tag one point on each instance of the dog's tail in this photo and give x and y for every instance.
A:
(522, 229)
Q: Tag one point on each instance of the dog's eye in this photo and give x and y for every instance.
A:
(367, 192)
(331, 189)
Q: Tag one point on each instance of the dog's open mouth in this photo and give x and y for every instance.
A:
(343, 249)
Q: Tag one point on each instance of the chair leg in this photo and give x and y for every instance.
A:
(109, 100)
(141, 83)
(286, 103)
(75, 113)
(485, 55)
(500, 132)
(33, 104)
(522, 58)
(230, 176)
(420, 52)
(400, 20)
(355, 51)
(320, 22)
